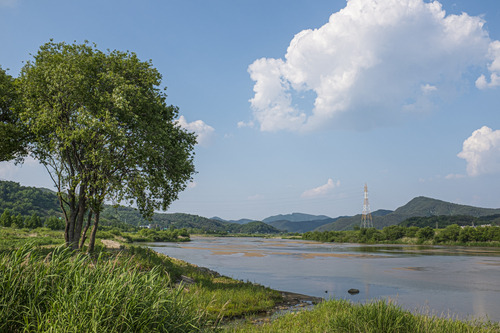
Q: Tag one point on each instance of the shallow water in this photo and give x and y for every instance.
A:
(445, 281)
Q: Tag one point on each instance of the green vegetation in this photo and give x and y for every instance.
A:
(48, 288)
(44, 203)
(27, 201)
(379, 316)
(451, 235)
(66, 292)
(134, 290)
(99, 123)
(445, 220)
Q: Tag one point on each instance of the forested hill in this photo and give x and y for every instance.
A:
(295, 217)
(420, 206)
(27, 201)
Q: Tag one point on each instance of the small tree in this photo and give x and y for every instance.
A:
(424, 234)
(17, 221)
(6, 219)
(33, 222)
(54, 223)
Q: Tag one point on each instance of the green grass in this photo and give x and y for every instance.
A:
(345, 317)
(47, 288)
(221, 297)
(64, 292)
(11, 238)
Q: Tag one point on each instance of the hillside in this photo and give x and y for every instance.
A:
(240, 221)
(420, 206)
(28, 200)
(179, 220)
(295, 217)
(302, 226)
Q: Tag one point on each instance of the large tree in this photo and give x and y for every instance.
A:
(100, 125)
(12, 134)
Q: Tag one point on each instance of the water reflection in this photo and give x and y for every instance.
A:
(439, 280)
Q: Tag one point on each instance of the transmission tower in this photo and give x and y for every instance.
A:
(366, 216)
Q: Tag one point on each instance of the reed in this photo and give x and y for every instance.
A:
(68, 292)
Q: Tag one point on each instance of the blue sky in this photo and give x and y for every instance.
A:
(298, 104)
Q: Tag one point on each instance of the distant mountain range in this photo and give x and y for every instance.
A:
(28, 200)
(420, 206)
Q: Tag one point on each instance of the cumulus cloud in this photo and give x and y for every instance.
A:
(204, 133)
(370, 61)
(482, 152)
(493, 67)
(321, 190)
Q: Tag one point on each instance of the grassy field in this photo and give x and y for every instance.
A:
(44, 287)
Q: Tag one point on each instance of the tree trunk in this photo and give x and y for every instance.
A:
(94, 232)
(84, 233)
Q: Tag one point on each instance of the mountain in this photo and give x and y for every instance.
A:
(240, 221)
(302, 226)
(419, 206)
(295, 217)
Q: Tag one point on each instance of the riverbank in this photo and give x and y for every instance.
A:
(137, 289)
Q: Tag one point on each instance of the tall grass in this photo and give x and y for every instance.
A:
(344, 317)
(64, 292)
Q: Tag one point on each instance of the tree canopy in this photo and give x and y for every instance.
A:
(100, 124)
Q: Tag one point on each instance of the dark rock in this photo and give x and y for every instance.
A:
(353, 291)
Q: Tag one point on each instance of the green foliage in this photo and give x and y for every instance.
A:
(425, 234)
(441, 221)
(375, 317)
(54, 223)
(5, 219)
(452, 235)
(100, 125)
(12, 134)
(61, 291)
(27, 200)
(33, 222)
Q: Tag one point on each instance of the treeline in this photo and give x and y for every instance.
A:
(452, 234)
(18, 221)
(441, 221)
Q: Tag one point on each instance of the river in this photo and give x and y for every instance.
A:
(456, 282)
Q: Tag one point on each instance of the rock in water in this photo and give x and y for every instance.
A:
(353, 291)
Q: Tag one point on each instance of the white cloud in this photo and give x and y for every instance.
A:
(494, 67)
(482, 152)
(192, 184)
(371, 60)
(256, 197)
(204, 132)
(427, 88)
(321, 190)
(242, 124)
